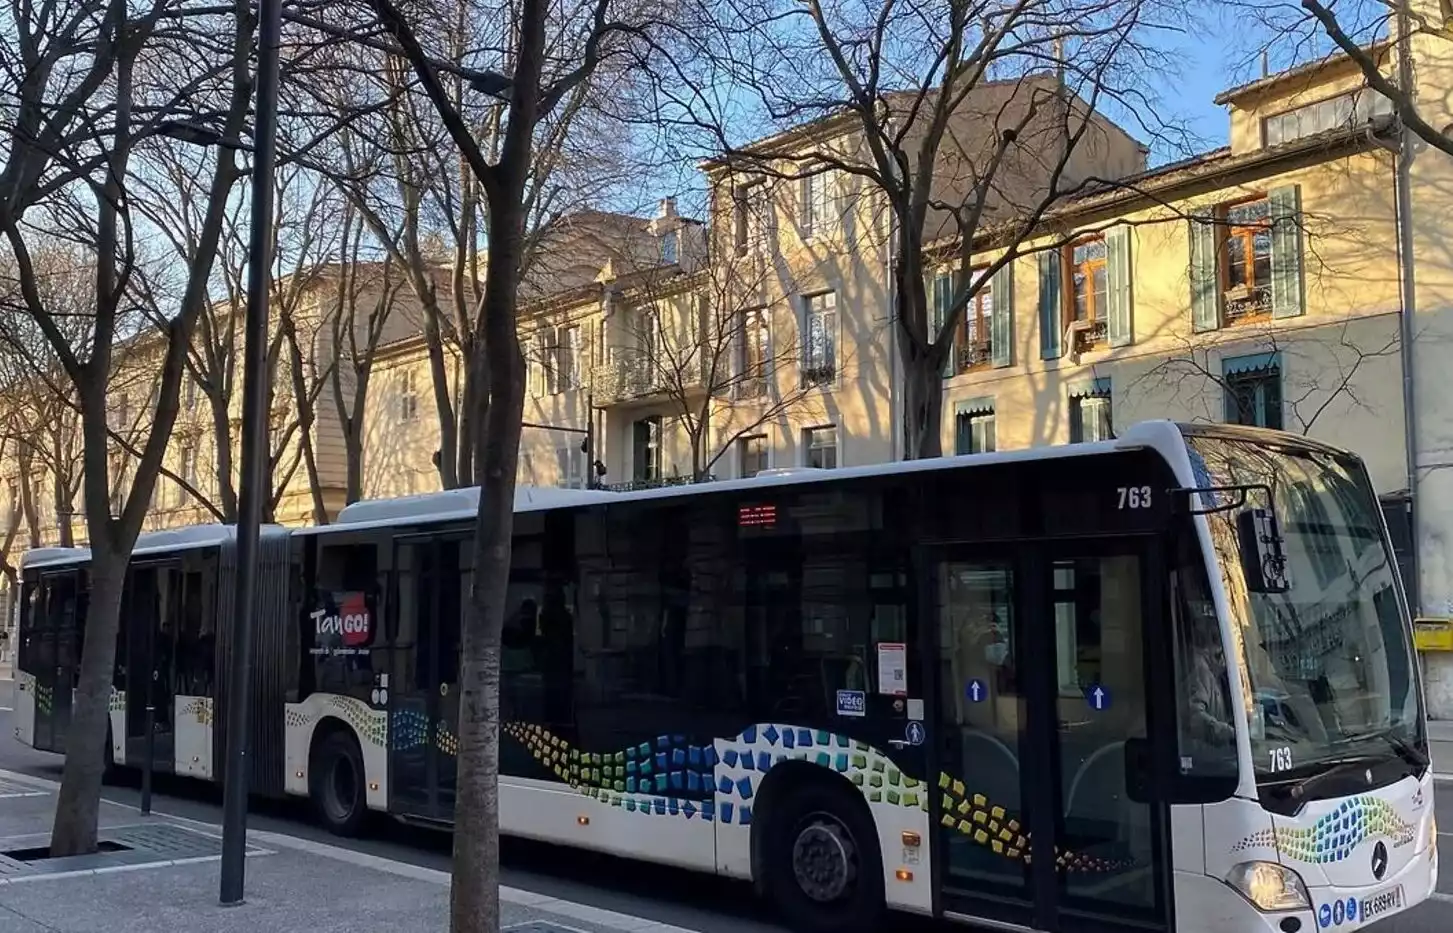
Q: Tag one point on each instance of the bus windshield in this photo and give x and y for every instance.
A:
(1327, 666)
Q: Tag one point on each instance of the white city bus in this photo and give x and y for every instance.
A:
(1162, 682)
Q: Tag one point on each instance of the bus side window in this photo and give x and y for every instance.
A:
(1205, 723)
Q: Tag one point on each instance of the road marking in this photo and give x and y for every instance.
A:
(7, 709)
(1440, 896)
(517, 896)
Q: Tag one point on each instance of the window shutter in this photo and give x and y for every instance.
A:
(1117, 261)
(1205, 300)
(1001, 320)
(1286, 252)
(942, 295)
(1049, 305)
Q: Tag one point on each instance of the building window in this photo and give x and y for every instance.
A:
(671, 248)
(816, 203)
(189, 391)
(752, 451)
(1344, 110)
(753, 349)
(122, 413)
(408, 396)
(187, 472)
(567, 360)
(974, 344)
(1090, 415)
(974, 429)
(1253, 391)
(1087, 296)
(646, 450)
(753, 216)
(819, 364)
(1246, 260)
(820, 446)
(570, 467)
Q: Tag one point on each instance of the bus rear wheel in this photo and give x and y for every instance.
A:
(824, 873)
(336, 782)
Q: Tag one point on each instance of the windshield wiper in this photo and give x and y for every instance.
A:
(1406, 750)
(1298, 788)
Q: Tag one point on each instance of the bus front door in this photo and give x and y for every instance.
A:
(1045, 678)
(423, 695)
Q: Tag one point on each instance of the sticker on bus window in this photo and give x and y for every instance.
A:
(893, 668)
(852, 703)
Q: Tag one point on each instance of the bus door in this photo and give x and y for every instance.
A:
(149, 611)
(423, 697)
(58, 656)
(1046, 698)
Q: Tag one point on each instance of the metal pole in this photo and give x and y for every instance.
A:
(1403, 196)
(253, 484)
(146, 767)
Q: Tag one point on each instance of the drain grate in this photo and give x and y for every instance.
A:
(167, 840)
(158, 844)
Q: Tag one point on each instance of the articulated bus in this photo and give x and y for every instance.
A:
(1164, 682)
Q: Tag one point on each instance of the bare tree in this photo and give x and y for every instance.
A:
(423, 204)
(1380, 36)
(710, 343)
(552, 54)
(88, 84)
(365, 295)
(964, 122)
(1327, 364)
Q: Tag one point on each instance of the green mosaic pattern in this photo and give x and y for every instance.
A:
(200, 709)
(1336, 834)
(370, 724)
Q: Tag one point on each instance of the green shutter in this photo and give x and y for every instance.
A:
(1001, 323)
(1049, 305)
(941, 294)
(1286, 252)
(1117, 271)
(1205, 296)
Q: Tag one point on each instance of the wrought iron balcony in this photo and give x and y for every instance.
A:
(632, 376)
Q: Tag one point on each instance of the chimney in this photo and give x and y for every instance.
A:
(666, 210)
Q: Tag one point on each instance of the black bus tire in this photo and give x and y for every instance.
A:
(336, 783)
(824, 873)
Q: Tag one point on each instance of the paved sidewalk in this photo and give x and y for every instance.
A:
(1440, 744)
(163, 875)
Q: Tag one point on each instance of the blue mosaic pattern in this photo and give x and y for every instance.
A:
(1336, 834)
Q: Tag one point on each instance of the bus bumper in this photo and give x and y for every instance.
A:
(1209, 905)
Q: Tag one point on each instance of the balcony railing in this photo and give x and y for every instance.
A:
(968, 356)
(1093, 334)
(636, 377)
(1247, 302)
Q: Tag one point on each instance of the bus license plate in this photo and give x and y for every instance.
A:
(1381, 903)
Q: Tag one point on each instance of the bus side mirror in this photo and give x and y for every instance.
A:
(1263, 551)
(1137, 770)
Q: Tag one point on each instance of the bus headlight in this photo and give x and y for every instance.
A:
(1269, 886)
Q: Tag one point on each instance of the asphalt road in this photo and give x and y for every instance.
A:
(685, 899)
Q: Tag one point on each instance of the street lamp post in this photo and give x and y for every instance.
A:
(253, 481)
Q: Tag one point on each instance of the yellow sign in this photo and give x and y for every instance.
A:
(1433, 634)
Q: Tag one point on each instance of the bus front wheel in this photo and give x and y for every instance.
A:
(823, 869)
(336, 781)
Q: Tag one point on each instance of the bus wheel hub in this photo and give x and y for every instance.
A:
(822, 861)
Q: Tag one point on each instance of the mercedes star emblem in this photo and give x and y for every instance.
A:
(1379, 861)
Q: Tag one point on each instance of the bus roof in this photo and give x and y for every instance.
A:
(462, 504)
(148, 544)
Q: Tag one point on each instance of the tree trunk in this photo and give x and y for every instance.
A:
(222, 429)
(922, 406)
(474, 897)
(443, 405)
(79, 802)
(65, 535)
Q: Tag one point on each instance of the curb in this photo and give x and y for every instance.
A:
(265, 839)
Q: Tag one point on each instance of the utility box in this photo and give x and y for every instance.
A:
(1433, 634)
